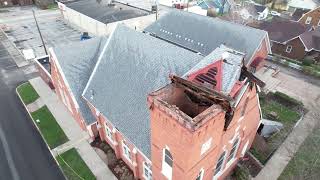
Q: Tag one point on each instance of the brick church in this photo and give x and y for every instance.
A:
(177, 101)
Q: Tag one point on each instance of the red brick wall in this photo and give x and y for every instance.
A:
(262, 52)
(45, 76)
(185, 146)
(315, 14)
(63, 93)
(137, 158)
(297, 51)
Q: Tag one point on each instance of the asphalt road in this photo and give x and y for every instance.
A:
(23, 154)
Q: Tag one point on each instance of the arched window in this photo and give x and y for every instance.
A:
(167, 163)
(220, 163)
(200, 175)
(147, 173)
(168, 157)
(234, 149)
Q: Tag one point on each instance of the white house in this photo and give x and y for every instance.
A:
(302, 4)
(254, 11)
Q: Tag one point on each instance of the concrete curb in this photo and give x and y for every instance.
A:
(38, 128)
(17, 49)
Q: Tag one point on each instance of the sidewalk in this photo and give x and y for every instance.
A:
(13, 50)
(77, 137)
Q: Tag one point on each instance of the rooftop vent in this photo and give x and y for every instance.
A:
(91, 94)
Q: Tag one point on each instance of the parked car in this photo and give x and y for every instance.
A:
(275, 13)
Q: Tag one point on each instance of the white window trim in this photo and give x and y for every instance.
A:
(206, 146)
(108, 129)
(149, 170)
(163, 161)
(289, 47)
(215, 177)
(229, 163)
(245, 148)
(241, 118)
(201, 174)
(123, 152)
(308, 20)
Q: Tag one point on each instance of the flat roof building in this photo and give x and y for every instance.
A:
(106, 13)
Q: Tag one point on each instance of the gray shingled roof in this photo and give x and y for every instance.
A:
(298, 13)
(311, 39)
(204, 34)
(230, 70)
(133, 65)
(77, 62)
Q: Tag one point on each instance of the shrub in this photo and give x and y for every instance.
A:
(283, 97)
(307, 62)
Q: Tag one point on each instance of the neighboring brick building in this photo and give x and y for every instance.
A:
(292, 39)
(311, 17)
(311, 43)
(213, 110)
(284, 37)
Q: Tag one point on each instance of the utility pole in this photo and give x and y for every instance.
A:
(157, 11)
(35, 19)
(188, 6)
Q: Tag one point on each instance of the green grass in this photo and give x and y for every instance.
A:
(305, 164)
(27, 93)
(286, 115)
(50, 129)
(74, 161)
(52, 6)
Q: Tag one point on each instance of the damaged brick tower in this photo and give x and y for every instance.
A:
(199, 130)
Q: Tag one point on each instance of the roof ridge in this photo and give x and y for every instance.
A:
(99, 59)
(215, 18)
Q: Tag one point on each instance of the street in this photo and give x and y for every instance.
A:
(23, 154)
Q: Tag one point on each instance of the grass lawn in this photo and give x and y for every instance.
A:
(286, 115)
(74, 161)
(52, 6)
(27, 93)
(305, 164)
(49, 127)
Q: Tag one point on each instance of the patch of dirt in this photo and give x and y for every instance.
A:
(118, 167)
(251, 164)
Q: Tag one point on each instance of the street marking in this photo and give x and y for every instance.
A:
(8, 154)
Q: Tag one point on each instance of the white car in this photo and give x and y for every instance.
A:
(274, 13)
